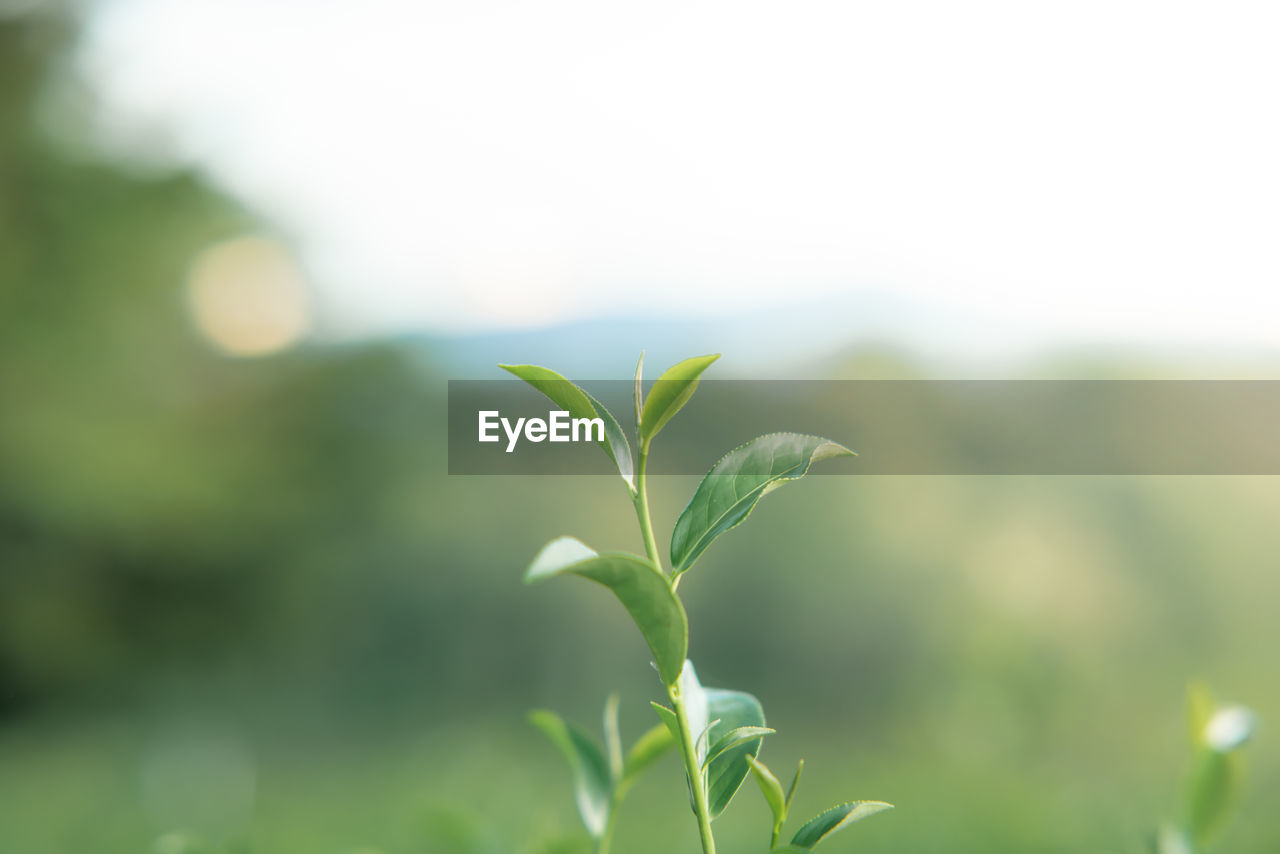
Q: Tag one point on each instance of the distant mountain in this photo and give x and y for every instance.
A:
(791, 340)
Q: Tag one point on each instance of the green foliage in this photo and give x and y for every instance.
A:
(1217, 733)
(730, 491)
(592, 787)
(648, 749)
(835, 819)
(816, 829)
(735, 737)
(727, 769)
(720, 732)
(669, 394)
(772, 791)
(579, 404)
(599, 782)
(640, 587)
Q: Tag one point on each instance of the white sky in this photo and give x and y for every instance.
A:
(1103, 171)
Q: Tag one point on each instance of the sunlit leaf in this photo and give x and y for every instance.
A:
(580, 404)
(670, 393)
(639, 585)
(1228, 728)
(1200, 705)
(1218, 733)
(835, 819)
(591, 787)
(730, 491)
(694, 698)
(772, 791)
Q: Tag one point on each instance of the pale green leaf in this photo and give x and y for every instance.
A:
(669, 719)
(639, 585)
(591, 786)
(729, 492)
(703, 741)
(772, 790)
(613, 738)
(1218, 733)
(795, 783)
(1212, 793)
(670, 393)
(694, 699)
(579, 404)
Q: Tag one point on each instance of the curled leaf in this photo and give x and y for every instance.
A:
(639, 585)
(579, 404)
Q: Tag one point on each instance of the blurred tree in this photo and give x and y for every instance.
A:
(153, 492)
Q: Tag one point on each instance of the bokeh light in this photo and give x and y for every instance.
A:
(248, 297)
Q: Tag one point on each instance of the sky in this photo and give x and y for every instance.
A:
(1087, 172)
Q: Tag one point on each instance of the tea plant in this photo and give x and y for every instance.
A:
(719, 732)
(1217, 734)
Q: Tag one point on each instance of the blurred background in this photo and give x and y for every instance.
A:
(244, 244)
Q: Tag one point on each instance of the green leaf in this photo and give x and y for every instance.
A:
(613, 738)
(1215, 778)
(639, 585)
(648, 749)
(726, 772)
(834, 819)
(701, 743)
(580, 404)
(795, 783)
(1212, 794)
(668, 718)
(1200, 705)
(591, 787)
(729, 492)
(772, 791)
(734, 737)
(694, 698)
(670, 393)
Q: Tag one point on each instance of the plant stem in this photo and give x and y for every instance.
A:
(641, 500)
(688, 748)
(693, 768)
